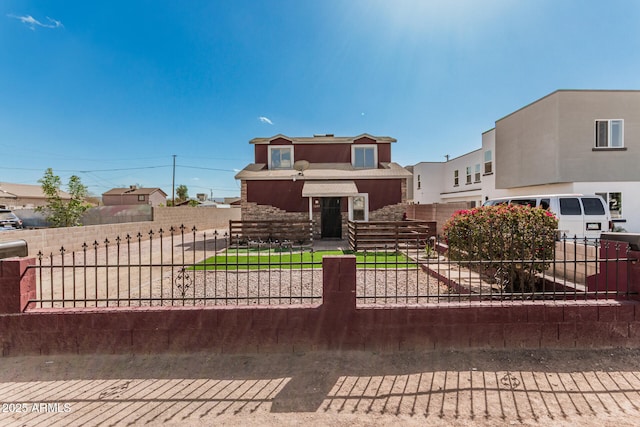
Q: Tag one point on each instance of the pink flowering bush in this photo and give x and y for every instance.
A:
(513, 242)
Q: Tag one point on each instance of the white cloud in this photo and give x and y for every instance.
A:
(33, 23)
(266, 120)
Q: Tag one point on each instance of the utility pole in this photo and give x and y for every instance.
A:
(173, 184)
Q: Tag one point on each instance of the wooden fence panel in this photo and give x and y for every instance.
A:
(271, 231)
(376, 234)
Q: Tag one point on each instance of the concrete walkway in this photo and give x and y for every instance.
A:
(487, 388)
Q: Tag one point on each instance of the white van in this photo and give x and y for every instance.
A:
(578, 215)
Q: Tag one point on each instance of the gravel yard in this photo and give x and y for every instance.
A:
(382, 286)
(175, 286)
(147, 277)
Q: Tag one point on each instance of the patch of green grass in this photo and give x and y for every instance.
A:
(236, 260)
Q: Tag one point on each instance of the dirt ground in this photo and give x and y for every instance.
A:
(459, 388)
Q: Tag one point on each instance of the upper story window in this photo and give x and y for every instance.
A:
(468, 174)
(280, 157)
(364, 156)
(141, 197)
(476, 176)
(456, 178)
(488, 165)
(418, 182)
(609, 133)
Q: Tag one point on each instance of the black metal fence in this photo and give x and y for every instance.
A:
(188, 267)
(570, 269)
(178, 267)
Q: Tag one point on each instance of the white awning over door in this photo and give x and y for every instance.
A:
(329, 189)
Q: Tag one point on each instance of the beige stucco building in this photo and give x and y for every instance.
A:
(24, 196)
(570, 141)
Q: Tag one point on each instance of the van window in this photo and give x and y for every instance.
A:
(570, 206)
(524, 202)
(545, 203)
(592, 206)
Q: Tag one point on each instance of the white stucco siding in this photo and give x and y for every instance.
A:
(430, 177)
(630, 213)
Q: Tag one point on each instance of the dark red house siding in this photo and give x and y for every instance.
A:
(321, 153)
(287, 195)
(384, 153)
(382, 192)
(336, 153)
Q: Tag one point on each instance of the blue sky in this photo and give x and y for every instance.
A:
(111, 90)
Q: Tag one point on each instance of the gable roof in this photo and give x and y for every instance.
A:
(25, 191)
(323, 171)
(134, 191)
(323, 139)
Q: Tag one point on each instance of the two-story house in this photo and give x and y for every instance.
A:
(456, 180)
(134, 196)
(570, 141)
(323, 178)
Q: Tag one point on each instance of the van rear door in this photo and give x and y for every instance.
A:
(570, 219)
(595, 217)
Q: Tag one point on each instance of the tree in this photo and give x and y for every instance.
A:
(59, 212)
(182, 192)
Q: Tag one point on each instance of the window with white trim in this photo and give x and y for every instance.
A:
(418, 182)
(488, 164)
(476, 176)
(614, 201)
(610, 133)
(280, 157)
(358, 209)
(456, 178)
(468, 175)
(364, 156)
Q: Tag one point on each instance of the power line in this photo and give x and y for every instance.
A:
(209, 169)
(123, 169)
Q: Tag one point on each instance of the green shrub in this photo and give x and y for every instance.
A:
(513, 242)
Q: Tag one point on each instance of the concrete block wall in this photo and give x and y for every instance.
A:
(201, 218)
(336, 324)
(50, 240)
(439, 212)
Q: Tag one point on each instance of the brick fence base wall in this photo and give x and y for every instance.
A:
(338, 323)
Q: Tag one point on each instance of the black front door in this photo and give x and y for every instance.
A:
(331, 219)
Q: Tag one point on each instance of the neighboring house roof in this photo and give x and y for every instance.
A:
(323, 171)
(323, 139)
(25, 191)
(232, 200)
(134, 191)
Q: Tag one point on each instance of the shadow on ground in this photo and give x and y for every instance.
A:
(422, 388)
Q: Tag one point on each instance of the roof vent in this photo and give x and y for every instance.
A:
(323, 135)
